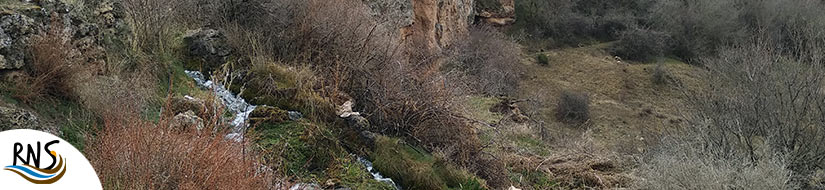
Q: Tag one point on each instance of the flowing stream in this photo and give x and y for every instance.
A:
(240, 110)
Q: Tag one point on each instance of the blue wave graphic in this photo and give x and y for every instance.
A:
(29, 171)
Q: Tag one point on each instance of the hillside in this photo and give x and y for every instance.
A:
(424, 94)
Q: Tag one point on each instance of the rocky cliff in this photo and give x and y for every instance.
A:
(435, 24)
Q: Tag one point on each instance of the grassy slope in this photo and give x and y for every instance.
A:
(628, 111)
(627, 108)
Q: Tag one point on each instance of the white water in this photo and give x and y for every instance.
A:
(375, 175)
(235, 104)
(241, 110)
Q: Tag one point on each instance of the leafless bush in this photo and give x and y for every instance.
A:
(686, 164)
(757, 97)
(573, 107)
(640, 45)
(661, 75)
(490, 59)
(698, 28)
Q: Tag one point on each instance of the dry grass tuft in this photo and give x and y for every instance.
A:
(53, 66)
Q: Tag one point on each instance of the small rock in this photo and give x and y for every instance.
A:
(513, 188)
(295, 116)
(305, 186)
(358, 122)
(345, 110)
(186, 120)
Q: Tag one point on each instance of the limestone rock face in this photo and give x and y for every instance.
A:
(393, 13)
(19, 24)
(438, 23)
(16, 118)
(497, 12)
(15, 32)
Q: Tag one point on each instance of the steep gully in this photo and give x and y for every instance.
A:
(240, 110)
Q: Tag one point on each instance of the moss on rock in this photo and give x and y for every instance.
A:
(268, 114)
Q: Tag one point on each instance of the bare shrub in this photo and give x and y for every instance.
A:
(573, 107)
(683, 163)
(756, 97)
(698, 28)
(53, 66)
(490, 59)
(661, 75)
(640, 45)
(151, 23)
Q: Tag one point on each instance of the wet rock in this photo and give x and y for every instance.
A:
(295, 116)
(187, 120)
(207, 46)
(268, 114)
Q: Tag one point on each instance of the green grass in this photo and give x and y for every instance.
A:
(6, 97)
(75, 122)
(311, 152)
(542, 59)
(479, 107)
(414, 168)
(531, 144)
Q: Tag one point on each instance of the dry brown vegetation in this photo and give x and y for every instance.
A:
(52, 72)
(130, 153)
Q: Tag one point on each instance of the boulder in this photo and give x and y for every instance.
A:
(358, 122)
(187, 103)
(208, 46)
(187, 120)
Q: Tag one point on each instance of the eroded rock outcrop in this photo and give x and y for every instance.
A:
(496, 12)
(430, 25)
(85, 30)
(207, 46)
(438, 23)
(17, 118)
